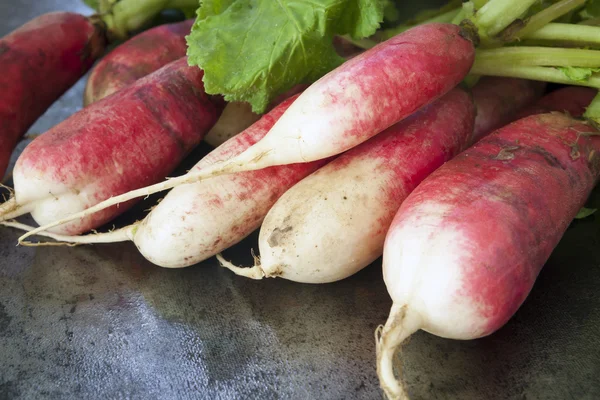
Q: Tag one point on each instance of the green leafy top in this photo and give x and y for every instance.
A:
(255, 50)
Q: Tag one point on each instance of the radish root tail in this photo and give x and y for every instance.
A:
(118, 235)
(388, 341)
(255, 272)
(10, 209)
(236, 164)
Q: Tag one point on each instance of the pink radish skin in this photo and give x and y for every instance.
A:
(333, 223)
(195, 222)
(498, 101)
(466, 246)
(133, 138)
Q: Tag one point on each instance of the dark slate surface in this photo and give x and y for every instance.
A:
(101, 322)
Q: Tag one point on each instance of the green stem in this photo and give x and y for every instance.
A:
(467, 10)
(547, 15)
(125, 16)
(546, 74)
(592, 112)
(591, 21)
(496, 15)
(567, 32)
(539, 56)
(459, 16)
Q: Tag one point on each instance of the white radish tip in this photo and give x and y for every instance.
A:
(254, 272)
(116, 235)
(27, 228)
(388, 340)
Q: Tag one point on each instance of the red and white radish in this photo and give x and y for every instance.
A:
(333, 223)
(38, 62)
(352, 103)
(133, 138)
(195, 222)
(466, 246)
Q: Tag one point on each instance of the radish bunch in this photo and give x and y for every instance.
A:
(465, 192)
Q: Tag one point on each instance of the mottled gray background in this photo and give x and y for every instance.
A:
(101, 322)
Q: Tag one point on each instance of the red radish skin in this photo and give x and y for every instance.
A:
(131, 139)
(38, 62)
(195, 222)
(572, 100)
(498, 101)
(466, 246)
(145, 53)
(314, 234)
(135, 58)
(346, 107)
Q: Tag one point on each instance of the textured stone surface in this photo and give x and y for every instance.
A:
(101, 322)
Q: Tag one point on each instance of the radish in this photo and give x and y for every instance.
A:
(467, 244)
(144, 54)
(498, 101)
(315, 232)
(195, 222)
(133, 138)
(352, 103)
(137, 57)
(38, 62)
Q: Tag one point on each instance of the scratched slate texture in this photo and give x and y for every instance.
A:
(102, 323)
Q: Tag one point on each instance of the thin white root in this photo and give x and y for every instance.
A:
(254, 272)
(119, 235)
(237, 164)
(399, 326)
(11, 209)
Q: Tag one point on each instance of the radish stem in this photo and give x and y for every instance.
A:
(125, 16)
(496, 15)
(539, 56)
(567, 32)
(548, 74)
(547, 15)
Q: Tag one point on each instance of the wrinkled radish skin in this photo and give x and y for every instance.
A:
(466, 246)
